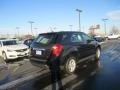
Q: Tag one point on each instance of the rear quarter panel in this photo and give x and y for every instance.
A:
(68, 51)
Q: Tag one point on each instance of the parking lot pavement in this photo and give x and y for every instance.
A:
(21, 68)
(4, 72)
(99, 76)
(20, 71)
(106, 77)
(69, 82)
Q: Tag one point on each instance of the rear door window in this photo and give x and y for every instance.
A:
(71, 38)
(65, 39)
(76, 38)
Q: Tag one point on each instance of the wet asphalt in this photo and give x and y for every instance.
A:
(108, 76)
(102, 75)
(94, 75)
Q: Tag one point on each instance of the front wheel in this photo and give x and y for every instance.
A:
(70, 65)
(98, 52)
(4, 56)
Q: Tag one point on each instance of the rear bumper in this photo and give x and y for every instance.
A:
(45, 63)
(54, 60)
(39, 61)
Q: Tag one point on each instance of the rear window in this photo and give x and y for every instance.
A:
(45, 39)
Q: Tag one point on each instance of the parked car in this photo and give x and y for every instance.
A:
(68, 47)
(11, 49)
(99, 38)
(113, 36)
(28, 42)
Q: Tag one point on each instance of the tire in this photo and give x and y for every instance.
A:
(70, 65)
(98, 53)
(106, 38)
(4, 56)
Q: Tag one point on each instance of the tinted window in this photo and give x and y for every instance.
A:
(65, 38)
(28, 42)
(0, 44)
(45, 39)
(10, 42)
(86, 37)
(76, 38)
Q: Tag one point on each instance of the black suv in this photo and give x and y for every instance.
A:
(28, 42)
(67, 47)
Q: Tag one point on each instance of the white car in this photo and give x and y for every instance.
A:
(11, 49)
(113, 36)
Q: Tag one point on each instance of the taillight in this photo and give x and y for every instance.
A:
(56, 49)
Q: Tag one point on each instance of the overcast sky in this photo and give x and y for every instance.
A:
(56, 14)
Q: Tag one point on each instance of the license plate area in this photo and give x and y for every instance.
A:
(39, 52)
(21, 53)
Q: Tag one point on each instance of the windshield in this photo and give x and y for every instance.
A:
(45, 39)
(10, 42)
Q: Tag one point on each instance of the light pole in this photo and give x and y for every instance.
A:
(17, 28)
(36, 31)
(79, 11)
(31, 23)
(104, 20)
(70, 27)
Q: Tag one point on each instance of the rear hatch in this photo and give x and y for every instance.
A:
(41, 47)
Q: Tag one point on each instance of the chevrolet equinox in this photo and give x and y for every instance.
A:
(67, 47)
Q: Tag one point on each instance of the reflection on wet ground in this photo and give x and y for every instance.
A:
(68, 82)
(103, 75)
(108, 77)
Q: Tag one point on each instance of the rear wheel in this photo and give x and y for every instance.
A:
(70, 65)
(98, 52)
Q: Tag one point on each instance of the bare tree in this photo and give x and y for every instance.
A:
(115, 30)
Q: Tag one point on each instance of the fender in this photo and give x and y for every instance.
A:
(70, 51)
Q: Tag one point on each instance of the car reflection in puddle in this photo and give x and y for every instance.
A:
(66, 82)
